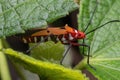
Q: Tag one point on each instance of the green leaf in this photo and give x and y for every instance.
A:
(104, 42)
(18, 16)
(46, 70)
(4, 71)
(49, 51)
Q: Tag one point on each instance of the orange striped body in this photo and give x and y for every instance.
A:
(65, 35)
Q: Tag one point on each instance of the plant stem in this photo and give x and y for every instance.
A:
(4, 71)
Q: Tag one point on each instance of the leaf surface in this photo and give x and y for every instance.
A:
(46, 70)
(104, 42)
(16, 16)
(49, 51)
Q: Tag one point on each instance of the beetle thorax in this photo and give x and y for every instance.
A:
(78, 34)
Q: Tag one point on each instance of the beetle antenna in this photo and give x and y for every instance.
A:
(103, 25)
(89, 23)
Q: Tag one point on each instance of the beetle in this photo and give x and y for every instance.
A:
(66, 35)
